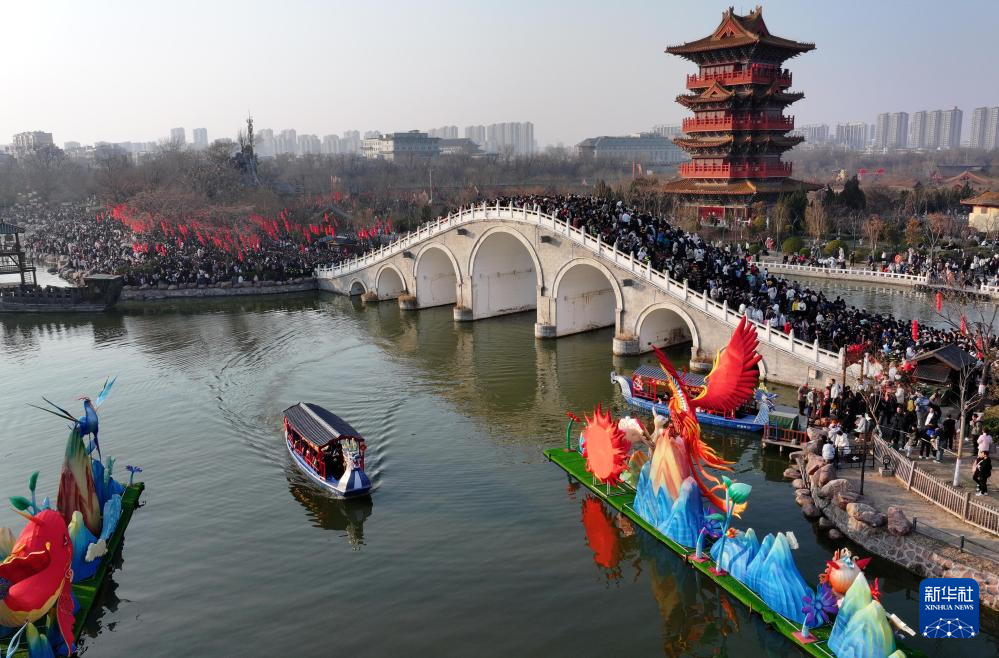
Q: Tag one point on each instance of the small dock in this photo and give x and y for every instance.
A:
(783, 438)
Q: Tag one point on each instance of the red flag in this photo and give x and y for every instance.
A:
(964, 326)
(915, 330)
(939, 301)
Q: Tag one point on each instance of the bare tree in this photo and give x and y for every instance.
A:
(913, 231)
(816, 220)
(939, 227)
(974, 319)
(874, 229)
(779, 218)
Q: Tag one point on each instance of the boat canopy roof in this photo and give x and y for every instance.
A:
(319, 426)
(655, 372)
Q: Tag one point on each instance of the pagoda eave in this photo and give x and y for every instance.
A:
(770, 188)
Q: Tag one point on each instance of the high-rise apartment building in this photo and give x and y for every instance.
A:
(933, 129)
(331, 145)
(513, 138)
(177, 136)
(950, 128)
(992, 129)
(286, 143)
(444, 132)
(477, 134)
(350, 142)
(881, 130)
(898, 130)
(917, 130)
(854, 136)
(264, 143)
(28, 142)
(309, 145)
(200, 138)
(814, 133)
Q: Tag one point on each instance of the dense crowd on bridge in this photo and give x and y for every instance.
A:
(964, 270)
(73, 234)
(727, 273)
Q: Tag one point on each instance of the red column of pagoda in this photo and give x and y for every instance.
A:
(738, 131)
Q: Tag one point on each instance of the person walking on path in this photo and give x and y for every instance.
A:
(949, 430)
(982, 472)
(985, 442)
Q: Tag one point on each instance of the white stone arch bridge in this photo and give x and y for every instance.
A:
(487, 261)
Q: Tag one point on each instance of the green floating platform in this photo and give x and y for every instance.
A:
(622, 499)
(86, 591)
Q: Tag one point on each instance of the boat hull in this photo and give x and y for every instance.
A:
(356, 487)
(745, 423)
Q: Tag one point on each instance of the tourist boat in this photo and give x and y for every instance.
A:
(648, 390)
(327, 449)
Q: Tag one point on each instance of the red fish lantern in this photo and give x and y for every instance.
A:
(38, 574)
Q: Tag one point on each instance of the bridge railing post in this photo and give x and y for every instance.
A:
(816, 348)
(790, 336)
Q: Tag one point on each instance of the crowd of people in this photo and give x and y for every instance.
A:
(967, 270)
(84, 239)
(727, 272)
(911, 421)
(76, 235)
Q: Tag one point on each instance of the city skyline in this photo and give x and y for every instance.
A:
(573, 77)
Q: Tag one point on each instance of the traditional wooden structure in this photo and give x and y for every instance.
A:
(738, 131)
(12, 258)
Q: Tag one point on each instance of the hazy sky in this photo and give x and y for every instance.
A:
(119, 70)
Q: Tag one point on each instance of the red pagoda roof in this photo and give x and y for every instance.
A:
(739, 187)
(735, 31)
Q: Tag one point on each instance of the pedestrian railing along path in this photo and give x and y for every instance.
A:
(847, 274)
(872, 276)
(680, 291)
(979, 512)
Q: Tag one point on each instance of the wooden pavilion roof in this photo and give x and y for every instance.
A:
(735, 31)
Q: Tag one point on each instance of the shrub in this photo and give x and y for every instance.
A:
(754, 248)
(832, 247)
(805, 251)
(791, 245)
(990, 421)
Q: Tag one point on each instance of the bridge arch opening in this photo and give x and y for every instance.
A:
(663, 325)
(357, 288)
(389, 284)
(505, 275)
(436, 274)
(586, 297)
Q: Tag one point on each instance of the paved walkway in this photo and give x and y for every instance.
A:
(945, 471)
(884, 491)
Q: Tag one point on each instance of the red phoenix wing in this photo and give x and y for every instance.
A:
(735, 373)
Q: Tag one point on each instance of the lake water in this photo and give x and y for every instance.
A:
(471, 543)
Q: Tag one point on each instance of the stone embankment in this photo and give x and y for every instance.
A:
(839, 510)
(226, 289)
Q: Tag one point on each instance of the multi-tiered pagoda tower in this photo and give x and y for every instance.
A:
(738, 131)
